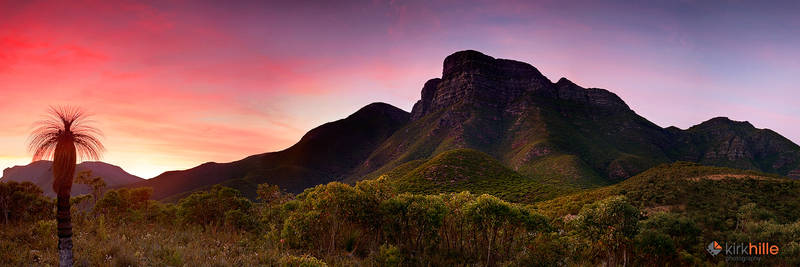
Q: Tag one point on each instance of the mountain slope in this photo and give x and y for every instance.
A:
(686, 187)
(41, 174)
(471, 170)
(324, 154)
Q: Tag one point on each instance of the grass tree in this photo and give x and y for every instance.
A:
(65, 136)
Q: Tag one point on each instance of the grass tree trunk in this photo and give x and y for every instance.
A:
(64, 162)
(65, 256)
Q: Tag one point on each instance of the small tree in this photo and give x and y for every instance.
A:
(501, 223)
(414, 220)
(23, 202)
(96, 184)
(271, 194)
(209, 208)
(124, 200)
(610, 224)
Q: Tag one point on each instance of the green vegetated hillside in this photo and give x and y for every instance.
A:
(710, 195)
(474, 171)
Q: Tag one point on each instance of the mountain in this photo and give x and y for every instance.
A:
(540, 135)
(724, 142)
(41, 174)
(561, 131)
(327, 153)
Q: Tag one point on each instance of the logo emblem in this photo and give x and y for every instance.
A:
(714, 248)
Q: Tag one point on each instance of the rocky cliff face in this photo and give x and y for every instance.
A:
(509, 110)
(595, 97)
(469, 77)
(724, 142)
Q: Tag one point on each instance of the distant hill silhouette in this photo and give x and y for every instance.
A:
(557, 133)
(327, 153)
(41, 174)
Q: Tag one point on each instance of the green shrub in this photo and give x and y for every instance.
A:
(125, 201)
(389, 255)
(301, 261)
(23, 202)
(209, 208)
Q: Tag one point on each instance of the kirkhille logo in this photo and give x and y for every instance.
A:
(714, 248)
(747, 249)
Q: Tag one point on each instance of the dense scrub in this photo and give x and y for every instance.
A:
(657, 218)
(461, 170)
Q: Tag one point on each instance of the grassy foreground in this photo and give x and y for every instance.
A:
(661, 217)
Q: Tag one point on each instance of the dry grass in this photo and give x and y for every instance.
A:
(99, 243)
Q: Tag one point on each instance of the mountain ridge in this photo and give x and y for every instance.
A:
(41, 173)
(316, 158)
(554, 132)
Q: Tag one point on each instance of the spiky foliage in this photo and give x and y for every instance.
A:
(66, 121)
(63, 135)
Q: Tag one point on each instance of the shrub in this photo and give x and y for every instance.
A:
(23, 202)
(209, 208)
(301, 261)
(609, 224)
(239, 220)
(389, 255)
(124, 201)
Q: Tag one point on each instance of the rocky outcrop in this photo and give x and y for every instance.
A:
(595, 97)
(470, 77)
(423, 106)
(722, 141)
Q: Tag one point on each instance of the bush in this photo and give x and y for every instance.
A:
(209, 208)
(123, 201)
(23, 202)
(237, 219)
(608, 225)
(389, 255)
(302, 261)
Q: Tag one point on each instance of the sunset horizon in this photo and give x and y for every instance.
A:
(224, 87)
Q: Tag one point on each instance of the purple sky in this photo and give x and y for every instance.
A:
(178, 83)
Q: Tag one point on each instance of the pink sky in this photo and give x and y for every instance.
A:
(177, 83)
